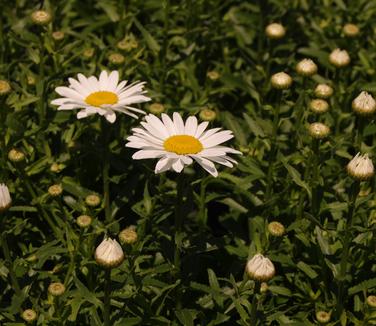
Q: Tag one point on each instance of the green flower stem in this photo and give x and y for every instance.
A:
(273, 150)
(178, 232)
(359, 131)
(40, 85)
(106, 170)
(107, 297)
(73, 256)
(202, 203)
(315, 205)
(8, 259)
(256, 291)
(354, 191)
(300, 106)
(34, 196)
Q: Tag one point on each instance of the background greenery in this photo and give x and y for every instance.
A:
(177, 44)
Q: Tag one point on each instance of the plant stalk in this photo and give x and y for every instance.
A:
(256, 291)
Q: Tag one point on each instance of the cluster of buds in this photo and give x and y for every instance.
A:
(260, 268)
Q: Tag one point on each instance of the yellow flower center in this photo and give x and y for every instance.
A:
(102, 97)
(183, 144)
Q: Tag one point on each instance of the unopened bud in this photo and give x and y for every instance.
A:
(323, 91)
(58, 35)
(88, 53)
(5, 199)
(322, 317)
(56, 289)
(371, 301)
(156, 108)
(16, 155)
(207, 114)
(339, 58)
(55, 190)
(306, 67)
(116, 58)
(361, 167)
(319, 106)
(128, 235)
(4, 87)
(364, 104)
(275, 31)
(260, 268)
(318, 130)
(92, 200)
(41, 17)
(276, 229)
(350, 30)
(29, 315)
(213, 75)
(109, 253)
(281, 80)
(84, 221)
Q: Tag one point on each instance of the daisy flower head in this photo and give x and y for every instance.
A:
(103, 95)
(177, 144)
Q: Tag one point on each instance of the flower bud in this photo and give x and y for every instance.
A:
(128, 235)
(319, 106)
(323, 317)
(29, 315)
(156, 108)
(281, 80)
(56, 289)
(306, 67)
(371, 301)
(109, 253)
(4, 87)
(360, 167)
(88, 53)
(364, 104)
(350, 30)
(31, 80)
(116, 58)
(16, 155)
(276, 229)
(339, 58)
(41, 17)
(213, 75)
(92, 200)
(318, 130)
(55, 190)
(275, 31)
(58, 35)
(5, 200)
(264, 287)
(260, 268)
(207, 114)
(84, 221)
(55, 167)
(128, 43)
(323, 91)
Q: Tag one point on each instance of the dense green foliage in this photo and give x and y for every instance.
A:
(284, 174)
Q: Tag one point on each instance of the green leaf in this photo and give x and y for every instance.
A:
(307, 270)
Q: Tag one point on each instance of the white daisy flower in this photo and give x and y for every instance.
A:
(177, 144)
(104, 96)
